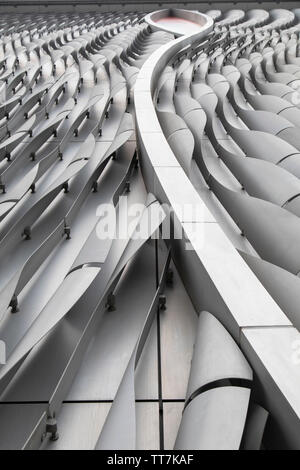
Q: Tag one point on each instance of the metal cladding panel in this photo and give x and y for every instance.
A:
(149, 231)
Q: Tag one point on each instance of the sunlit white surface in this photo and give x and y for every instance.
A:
(179, 25)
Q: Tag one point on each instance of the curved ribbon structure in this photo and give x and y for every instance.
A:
(224, 118)
(149, 230)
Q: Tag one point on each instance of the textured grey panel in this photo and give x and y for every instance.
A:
(29, 427)
(172, 417)
(79, 425)
(178, 327)
(214, 420)
(281, 284)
